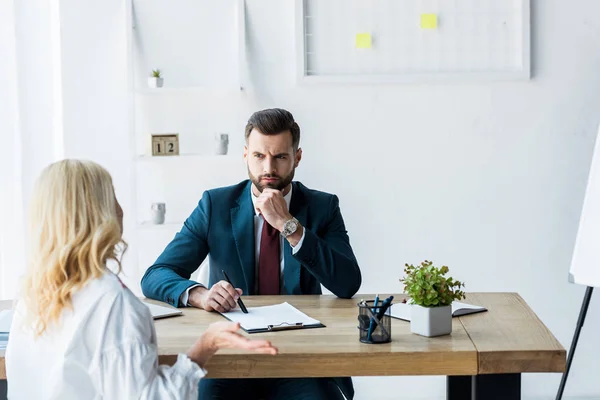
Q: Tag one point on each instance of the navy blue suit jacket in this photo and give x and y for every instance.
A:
(222, 227)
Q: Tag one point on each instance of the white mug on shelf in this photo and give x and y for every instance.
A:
(222, 141)
(158, 213)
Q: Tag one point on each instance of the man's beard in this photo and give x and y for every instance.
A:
(279, 184)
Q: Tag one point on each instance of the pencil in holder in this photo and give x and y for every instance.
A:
(373, 325)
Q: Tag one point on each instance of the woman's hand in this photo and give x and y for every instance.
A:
(223, 335)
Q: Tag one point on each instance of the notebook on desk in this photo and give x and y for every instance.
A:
(272, 318)
(3, 341)
(402, 310)
(161, 311)
(5, 320)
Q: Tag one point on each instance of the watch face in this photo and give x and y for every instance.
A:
(290, 227)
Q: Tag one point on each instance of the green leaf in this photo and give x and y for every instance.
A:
(429, 286)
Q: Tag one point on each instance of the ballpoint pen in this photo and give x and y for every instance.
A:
(372, 321)
(239, 300)
(384, 306)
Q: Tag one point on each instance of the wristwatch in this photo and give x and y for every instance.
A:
(289, 227)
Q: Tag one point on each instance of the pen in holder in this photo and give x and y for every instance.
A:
(374, 322)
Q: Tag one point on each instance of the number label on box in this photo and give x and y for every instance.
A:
(165, 145)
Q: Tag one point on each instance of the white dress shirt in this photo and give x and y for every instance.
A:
(104, 348)
(258, 225)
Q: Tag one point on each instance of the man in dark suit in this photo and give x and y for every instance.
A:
(272, 236)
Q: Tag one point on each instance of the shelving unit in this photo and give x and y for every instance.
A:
(166, 90)
(199, 99)
(189, 156)
(195, 43)
(148, 225)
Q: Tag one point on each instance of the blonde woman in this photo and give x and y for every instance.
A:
(78, 332)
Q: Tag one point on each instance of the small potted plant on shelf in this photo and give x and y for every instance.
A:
(431, 295)
(155, 80)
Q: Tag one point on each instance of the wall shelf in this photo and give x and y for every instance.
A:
(187, 90)
(200, 48)
(191, 156)
(148, 225)
(192, 42)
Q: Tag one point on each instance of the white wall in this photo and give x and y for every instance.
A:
(37, 48)
(28, 119)
(67, 82)
(97, 98)
(11, 209)
(486, 178)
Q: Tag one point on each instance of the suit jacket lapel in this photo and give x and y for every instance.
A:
(292, 268)
(242, 224)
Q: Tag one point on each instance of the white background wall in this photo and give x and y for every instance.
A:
(28, 119)
(10, 200)
(486, 178)
(97, 98)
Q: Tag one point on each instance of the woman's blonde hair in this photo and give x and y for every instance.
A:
(75, 231)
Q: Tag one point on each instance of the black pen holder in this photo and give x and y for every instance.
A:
(374, 327)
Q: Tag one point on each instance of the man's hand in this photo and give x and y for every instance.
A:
(271, 205)
(221, 297)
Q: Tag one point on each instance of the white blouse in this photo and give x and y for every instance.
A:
(105, 348)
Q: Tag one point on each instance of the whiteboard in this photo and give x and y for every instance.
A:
(472, 39)
(585, 263)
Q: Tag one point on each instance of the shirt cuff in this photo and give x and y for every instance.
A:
(186, 367)
(298, 245)
(183, 299)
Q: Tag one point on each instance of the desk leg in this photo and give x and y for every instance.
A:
(497, 387)
(459, 387)
(484, 387)
(3, 389)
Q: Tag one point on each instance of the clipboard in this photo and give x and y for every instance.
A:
(274, 318)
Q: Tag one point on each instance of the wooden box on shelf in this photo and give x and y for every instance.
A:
(165, 144)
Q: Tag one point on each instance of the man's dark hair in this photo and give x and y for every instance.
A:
(273, 121)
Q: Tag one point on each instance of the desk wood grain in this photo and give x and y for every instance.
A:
(510, 338)
(331, 351)
(507, 338)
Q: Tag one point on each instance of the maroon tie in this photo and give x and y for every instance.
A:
(268, 261)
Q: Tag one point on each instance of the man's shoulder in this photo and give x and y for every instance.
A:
(226, 193)
(313, 195)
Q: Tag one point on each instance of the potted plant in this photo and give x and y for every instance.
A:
(431, 295)
(155, 80)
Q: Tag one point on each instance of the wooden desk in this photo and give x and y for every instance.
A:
(483, 358)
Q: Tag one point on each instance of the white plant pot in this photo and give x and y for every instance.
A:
(155, 82)
(431, 321)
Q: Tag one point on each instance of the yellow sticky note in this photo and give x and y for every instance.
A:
(363, 40)
(428, 21)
